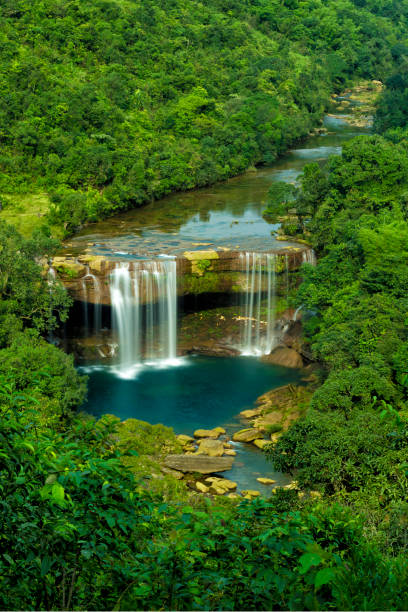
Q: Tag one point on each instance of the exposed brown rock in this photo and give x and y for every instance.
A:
(210, 447)
(283, 356)
(198, 463)
(247, 435)
(207, 433)
(248, 414)
(261, 443)
(266, 481)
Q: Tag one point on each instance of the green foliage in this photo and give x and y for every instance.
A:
(336, 452)
(80, 533)
(27, 297)
(107, 105)
(352, 443)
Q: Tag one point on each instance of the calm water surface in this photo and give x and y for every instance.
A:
(225, 215)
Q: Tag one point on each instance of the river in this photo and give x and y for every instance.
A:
(201, 391)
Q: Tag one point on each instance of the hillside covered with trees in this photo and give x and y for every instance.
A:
(109, 104)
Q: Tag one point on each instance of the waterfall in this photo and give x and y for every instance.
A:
(258, 305)
(144, 312)
(309, 257)
(97, 307)
(298, 309)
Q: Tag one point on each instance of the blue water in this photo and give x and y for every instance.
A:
(200, 392)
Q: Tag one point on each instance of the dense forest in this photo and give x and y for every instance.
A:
(108, 105)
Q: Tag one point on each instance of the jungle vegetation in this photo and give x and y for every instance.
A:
(109, 104)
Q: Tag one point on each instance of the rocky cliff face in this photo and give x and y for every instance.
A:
(87, 277)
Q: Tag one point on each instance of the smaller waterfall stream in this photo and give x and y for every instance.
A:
(258, 303)
(97, 307)
(144, 312)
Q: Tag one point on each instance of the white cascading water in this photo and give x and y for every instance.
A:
(258, 303)
(97, 308)
(144, 309)
(309, 257)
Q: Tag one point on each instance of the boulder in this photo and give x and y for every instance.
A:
(183, 439)
(220, 486)
(69, 267)
(230, 452)
(233, 496)
(97, 264)
(248, 414)
(271, 418)
(200, 486)
(266, 481)
(207, 433)
(261, 443)
(223, 482)
(250, 493)
(283, 356)
(247, 435)
(210, 447)
(293, 336)
(198, 463)
(174, 473)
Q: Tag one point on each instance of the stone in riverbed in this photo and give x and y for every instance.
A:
(261, 443)
(250, 493)
(200, 486)
(271, 418)
(233, 496)
(220, 486)
(208, 433)
(266, 481)
(248, 414)
(247, 435)
(230, 452)
(189, 448)
(223, 482)
(283, 356)
(183, 439)
(210, 447)
(68, 267)
(198, 463)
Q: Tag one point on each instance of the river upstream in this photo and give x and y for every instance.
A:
(190, 392)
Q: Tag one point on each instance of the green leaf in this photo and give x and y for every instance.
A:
(324, 576)
(58, 493)
(309, 560)
(45, 565)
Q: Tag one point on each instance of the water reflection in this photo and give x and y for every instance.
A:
(227, 215)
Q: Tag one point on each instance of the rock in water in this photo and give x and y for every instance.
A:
(247, 435)
(261, 443)
(208, 433)
(198, 463)
(266, 481)
(184, 439)
(210, 447)
(287, 357)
